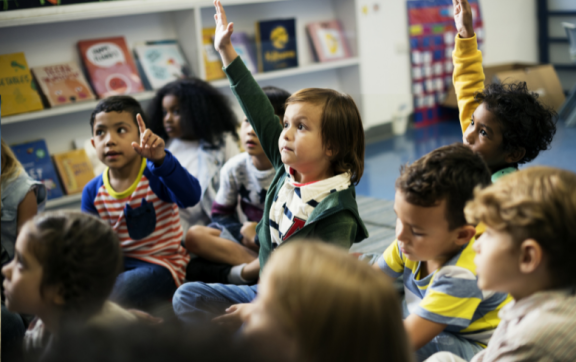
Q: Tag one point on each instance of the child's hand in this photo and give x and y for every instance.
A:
(224, 31)
(235, 316)
(463, 18)
(248, 232)
(151, 145)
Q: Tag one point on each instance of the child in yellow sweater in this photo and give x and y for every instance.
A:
(505, 123)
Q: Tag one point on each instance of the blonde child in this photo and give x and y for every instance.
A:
(528, 251)
(316, 303)
(22, 198)
(318, 155)
(64, 268)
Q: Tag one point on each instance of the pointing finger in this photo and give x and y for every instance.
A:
(141, 125)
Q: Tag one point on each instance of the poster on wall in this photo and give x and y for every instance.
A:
(432, 32)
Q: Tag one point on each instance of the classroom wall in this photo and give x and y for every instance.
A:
(511, 31)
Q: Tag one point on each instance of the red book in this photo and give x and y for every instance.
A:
(110, 66)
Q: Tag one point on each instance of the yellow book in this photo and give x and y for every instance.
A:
(212, 61)
(17, 88)
(75, 170)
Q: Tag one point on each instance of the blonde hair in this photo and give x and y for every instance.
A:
(536, 203)
(341, 128)
(337, 308)
(11, 167)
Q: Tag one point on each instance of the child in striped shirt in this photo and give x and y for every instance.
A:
(444, 309)
(139, 194)
(528, 251)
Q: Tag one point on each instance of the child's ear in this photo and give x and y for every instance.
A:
(531, 256)
(54, 294)
(515, 155)
(465, 234)
(92, 142)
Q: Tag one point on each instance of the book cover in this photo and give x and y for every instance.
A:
(35, 159)
(17, 88)
(162, 62)
(75, 170)
(63, 84)
(245, 48)
(276, 43)
(212, 61)
(110, 66)
(328, 41)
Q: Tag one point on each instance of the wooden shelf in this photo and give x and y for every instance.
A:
(53, 14)
(64, 200)
(85, 106)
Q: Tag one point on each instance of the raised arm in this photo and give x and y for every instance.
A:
(254, 103)
(468, 74)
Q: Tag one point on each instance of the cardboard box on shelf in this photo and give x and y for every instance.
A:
(541, 79)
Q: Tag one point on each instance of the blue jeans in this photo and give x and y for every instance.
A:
(199, 302)
(445, 342)
(143, 285)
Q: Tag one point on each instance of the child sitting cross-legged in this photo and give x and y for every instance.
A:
(528, 251)
(504, 123)
(444, 308)
(138, 194)
(318, 155)
(244, 180)
(64, 267)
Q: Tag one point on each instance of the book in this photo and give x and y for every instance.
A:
(161, 62)
(276, 43)
(62, 83)
(35, 159)
(17, 87)
(110, 66)
(245, 48)
(212, 61)
(85, 143)
(328, 41)
(75, 170)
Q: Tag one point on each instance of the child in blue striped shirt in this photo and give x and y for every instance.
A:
(444, 309)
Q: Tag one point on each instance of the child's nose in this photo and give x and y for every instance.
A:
(7, 271)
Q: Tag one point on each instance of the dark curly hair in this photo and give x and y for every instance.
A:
(206, 113)
(79, 253)
(118, 104)
(526, 123)
(449, 172)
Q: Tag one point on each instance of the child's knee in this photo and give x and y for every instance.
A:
(194, 237)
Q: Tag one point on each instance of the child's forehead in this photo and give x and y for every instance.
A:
(306, 110)
(110, 118)
(421, 216)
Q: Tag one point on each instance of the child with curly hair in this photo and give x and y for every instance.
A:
(505, 123)
(199, 127)
(64, 268)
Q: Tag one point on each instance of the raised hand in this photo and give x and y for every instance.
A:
(224, 31)
(151, 145)
(463, 18)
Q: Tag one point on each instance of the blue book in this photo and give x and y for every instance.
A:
(35, 159)
(276, 41)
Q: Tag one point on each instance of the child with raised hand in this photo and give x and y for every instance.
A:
(138, 195)
(199, 127)
(444, 308)
(22, 198)
(244, 180)
(528, 251)
(316, 303)
(64, 268)
(318, 156)
(505, 123)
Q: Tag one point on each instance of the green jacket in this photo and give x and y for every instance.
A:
(335, 219)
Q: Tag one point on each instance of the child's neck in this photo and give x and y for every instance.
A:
(261, 162)
(123, 177)
(312, 175)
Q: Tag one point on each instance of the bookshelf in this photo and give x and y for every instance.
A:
(377, 77)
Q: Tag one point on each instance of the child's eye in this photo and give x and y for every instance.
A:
(285, 124)
(300, 126)
(176, 112)
(122, 130)
(472, 122)
(99, 132)
(416, 234)
(483, 133)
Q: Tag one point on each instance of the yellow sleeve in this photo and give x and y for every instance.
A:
(391, 261)
(468, 76)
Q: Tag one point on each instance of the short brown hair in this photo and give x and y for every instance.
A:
(336, 307)
(342, 130)
(535, 203)
(450, 172)
(79, 253)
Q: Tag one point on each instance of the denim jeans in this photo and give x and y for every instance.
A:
(199, 302)
(143, 285)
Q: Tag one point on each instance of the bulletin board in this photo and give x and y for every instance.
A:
(432, 32)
